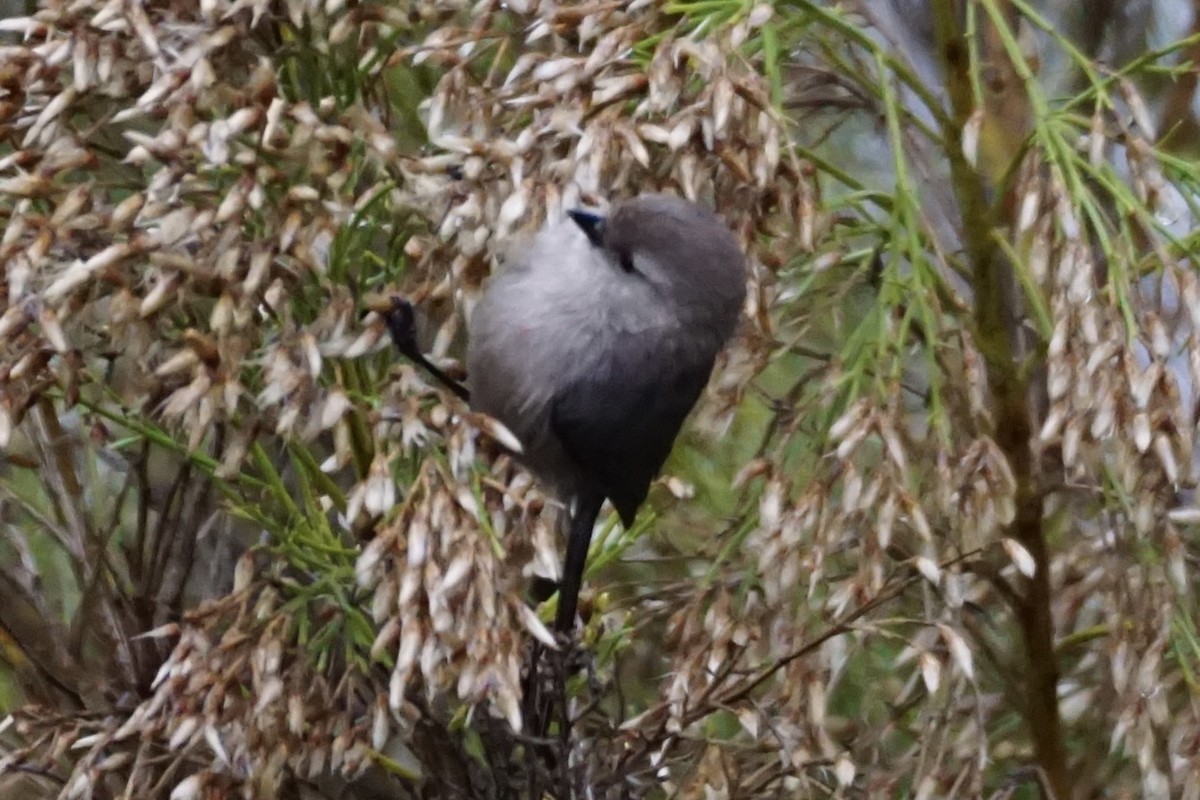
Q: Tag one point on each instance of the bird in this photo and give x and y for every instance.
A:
(592, 345)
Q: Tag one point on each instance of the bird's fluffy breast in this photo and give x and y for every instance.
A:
(550, 316)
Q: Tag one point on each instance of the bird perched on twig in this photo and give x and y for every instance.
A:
(592, 345)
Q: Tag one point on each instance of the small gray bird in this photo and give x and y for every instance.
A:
(594, 343)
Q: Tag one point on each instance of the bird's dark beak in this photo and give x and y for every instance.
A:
(591, 223)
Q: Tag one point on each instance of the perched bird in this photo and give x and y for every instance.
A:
(594, 342)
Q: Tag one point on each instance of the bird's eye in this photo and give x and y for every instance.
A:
(626, 260)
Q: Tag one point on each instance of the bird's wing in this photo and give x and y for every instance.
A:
(618, 420)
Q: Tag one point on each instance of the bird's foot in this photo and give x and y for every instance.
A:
(401, 321)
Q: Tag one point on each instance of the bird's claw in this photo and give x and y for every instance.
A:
(401, 321)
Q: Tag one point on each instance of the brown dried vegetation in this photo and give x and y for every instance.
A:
(958, 552)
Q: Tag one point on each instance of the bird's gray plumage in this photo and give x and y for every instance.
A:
(594, 343)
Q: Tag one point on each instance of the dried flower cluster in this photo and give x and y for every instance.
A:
(235, 706)
(1121, 377)
(168, 282)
